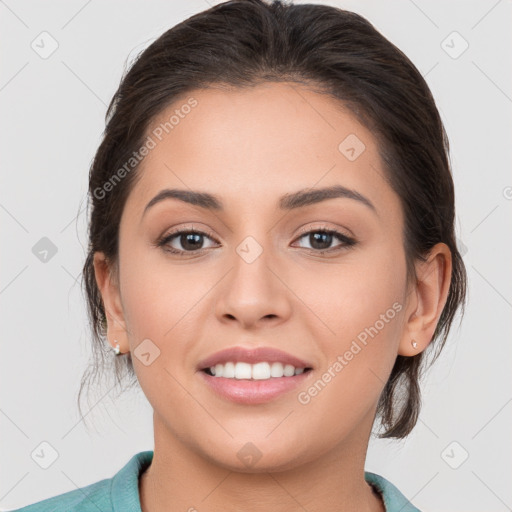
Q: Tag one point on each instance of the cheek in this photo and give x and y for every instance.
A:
(363, 312)
(158, 304)
(350, 296)
(362, 319)
(158, 293)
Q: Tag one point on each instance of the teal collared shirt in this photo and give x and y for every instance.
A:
(121, 492)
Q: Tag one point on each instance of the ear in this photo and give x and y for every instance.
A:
(427, 298)
(108, 286)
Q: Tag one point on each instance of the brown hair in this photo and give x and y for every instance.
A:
(241, 43)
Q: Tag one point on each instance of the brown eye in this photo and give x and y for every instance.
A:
(184, 241)
(321, 240)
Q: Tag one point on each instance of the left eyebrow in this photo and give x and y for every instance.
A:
(307, 197)
(299, 199)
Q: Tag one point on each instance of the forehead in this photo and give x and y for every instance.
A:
(255, 144)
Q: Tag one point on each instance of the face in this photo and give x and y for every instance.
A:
(322, 279)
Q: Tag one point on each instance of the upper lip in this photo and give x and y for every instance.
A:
(252, 355)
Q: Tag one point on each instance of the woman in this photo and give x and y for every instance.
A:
(272, 255)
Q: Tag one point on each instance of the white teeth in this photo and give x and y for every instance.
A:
(289, 370)
(229, 370)
(261, 371)
(257, 371)
(242, 371)
(276, 370)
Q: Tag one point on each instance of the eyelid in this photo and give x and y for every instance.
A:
(204, 231)
(190, 229)
(186, 229)
(309, 228)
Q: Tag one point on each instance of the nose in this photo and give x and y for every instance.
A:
(254, 293)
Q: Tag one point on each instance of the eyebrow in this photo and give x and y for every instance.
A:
(291, 201)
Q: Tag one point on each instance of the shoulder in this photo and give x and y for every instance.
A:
(394, 500)
(121, 492)
(90, 498)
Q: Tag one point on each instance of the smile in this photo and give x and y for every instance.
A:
(252, 391)
(259, 371)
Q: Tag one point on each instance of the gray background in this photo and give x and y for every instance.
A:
(52, 112)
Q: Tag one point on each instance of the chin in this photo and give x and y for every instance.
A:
(258, 456)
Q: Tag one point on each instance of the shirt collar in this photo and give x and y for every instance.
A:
(124, 491)
(125, 487)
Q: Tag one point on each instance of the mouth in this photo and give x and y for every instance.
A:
(253, 376)
(243, 390)
(247, 363)
(264, 370)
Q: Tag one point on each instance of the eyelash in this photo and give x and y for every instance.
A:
(346, 241)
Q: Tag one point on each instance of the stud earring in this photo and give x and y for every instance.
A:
(117, 350)
(414, 344)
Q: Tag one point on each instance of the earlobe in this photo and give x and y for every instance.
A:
(109, 290)
(430, 294)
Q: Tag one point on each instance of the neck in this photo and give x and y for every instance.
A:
(180, 479)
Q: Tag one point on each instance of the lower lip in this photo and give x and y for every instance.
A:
(245, 391)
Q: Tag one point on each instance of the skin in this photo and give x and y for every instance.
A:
(250, 147)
